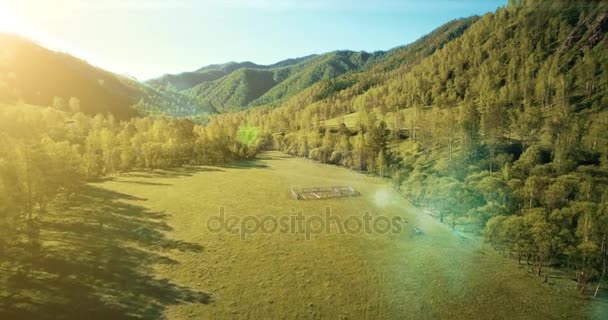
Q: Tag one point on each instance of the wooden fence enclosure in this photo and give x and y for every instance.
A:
(317, 193)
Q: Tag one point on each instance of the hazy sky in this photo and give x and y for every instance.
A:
(148, 38)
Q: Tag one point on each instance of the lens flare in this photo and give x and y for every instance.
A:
(382, 198)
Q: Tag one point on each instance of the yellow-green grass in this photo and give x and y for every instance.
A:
(138, 246)
(436, 274)
(351, 120)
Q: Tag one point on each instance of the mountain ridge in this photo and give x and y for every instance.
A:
(189, 79)
(54, 78)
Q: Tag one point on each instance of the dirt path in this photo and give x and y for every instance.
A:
(331, 276)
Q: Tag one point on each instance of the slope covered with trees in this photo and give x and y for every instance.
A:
(47, 156)
(188, 80)
(235, 86)
(326, 67)
(252, 87)
(335, 97)
(502, 131)
(35, 75)
(236, 90)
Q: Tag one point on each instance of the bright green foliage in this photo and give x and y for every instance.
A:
(248, 135)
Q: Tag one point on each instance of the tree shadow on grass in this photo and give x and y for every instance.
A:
(145, 183)
(178, 172)
(246, 164)
(96, 262)
(274, 157)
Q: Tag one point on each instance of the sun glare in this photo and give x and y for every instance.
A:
(12, 22)
(8, 20)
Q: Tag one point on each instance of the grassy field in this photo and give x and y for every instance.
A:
(138, 246)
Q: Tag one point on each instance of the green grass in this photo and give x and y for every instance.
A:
(137, 245)
(351, 120)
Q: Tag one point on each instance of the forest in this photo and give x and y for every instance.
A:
(49, 155)
(506, 132)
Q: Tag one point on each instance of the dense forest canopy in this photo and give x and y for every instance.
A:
(47, 156)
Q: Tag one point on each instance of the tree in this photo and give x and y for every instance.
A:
(543, 235)
(493, 124)
(359, 152)
(447, 128)
(597, 138)
(534, 189)
(59, 103)
(527, 125)
(74, 104)
(327, 146)
(381, 164)
(469, 122)
(377, 138)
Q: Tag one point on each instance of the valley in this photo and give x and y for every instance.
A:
(436, 274)
(462, 175)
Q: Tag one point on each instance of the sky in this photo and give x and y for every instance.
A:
(149, 38)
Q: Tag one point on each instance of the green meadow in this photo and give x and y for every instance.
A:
(147, 252)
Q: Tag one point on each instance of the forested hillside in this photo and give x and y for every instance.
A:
(320, 75)
(35, 75)
(335, 97)
(188, 80)
(66, 83)
(235, 86)
(502, 131)
(326, 67)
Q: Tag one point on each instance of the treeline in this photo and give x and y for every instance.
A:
(47, 155)
(503, 131)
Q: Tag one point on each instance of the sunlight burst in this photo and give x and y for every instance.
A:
(8, 20)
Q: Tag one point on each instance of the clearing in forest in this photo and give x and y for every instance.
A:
(435, 274)
(139, 245)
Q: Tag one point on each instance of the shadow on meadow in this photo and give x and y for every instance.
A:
(274, 156)
(144, 183)
(179, 172)
(95, 263)
(247, 164)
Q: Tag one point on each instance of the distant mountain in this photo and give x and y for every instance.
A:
(235, 86)
(527, 55)
(38, 76)
(188, 80)
(336, 95)
(57, 77)
(292, 80)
